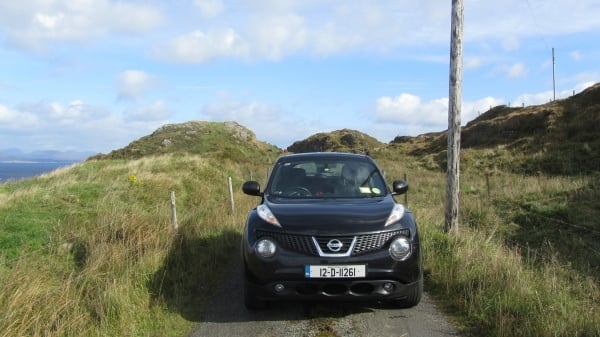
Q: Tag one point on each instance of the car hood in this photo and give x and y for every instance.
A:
(331, 216)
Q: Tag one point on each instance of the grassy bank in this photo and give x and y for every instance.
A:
(527, 256)
(89, 250)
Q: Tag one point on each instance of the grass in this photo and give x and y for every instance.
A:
(510, 271)
(89, 250)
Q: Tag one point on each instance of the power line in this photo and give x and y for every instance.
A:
(535, 23)
(541, 35)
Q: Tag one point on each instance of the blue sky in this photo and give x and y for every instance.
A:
(94, 75)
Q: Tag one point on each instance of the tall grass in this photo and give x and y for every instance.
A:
(496, 277)
(90, 250)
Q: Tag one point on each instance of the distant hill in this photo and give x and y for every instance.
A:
(560, 137)
(345, 140)
(227, 140)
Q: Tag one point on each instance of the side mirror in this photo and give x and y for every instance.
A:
(251, 188)
(399, 187)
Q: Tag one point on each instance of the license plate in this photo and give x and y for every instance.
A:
(335, 271)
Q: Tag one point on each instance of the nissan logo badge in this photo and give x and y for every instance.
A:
(335, 245)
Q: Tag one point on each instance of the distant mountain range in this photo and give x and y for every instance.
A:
(14, 154)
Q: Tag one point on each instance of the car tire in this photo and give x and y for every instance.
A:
(251, 301)
(414, 296)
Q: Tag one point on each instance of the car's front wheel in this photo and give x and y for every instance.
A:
(414, 296)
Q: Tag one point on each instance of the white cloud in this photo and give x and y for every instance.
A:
(582, 86)
(72, 112)
(48, 22)
(198, 46)
(256, 111)
(53, 114)
(210, 8)
(129, 18)
(576, 55)
(517, 70)
(11, 119)
(408, 109)
(278, 36)
(270, 29)
(547, 96)
(486, 20)
(37, 24)
(71, 126)
(134, 83)
(533, 99)
(274, 29)
(407, 115)
(157, 111)
(207, 30)
(472, 62)
(261, 37)
(472, 109)
(510, 43)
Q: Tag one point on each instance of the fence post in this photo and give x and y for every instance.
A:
(230, 194)
(173, 211)
(487, 182)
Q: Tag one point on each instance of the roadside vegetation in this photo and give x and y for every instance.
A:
(90, 250)
(526, 260)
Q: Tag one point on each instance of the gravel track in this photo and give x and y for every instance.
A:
(226, 316)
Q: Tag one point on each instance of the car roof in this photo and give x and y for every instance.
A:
(332, 155)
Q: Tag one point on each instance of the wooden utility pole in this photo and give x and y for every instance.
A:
(454, 107)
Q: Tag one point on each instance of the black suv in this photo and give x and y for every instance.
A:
(328, 227)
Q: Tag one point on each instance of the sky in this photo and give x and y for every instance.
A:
(95, 75)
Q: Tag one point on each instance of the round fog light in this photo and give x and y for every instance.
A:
(266, 248)
(279, 287)
(400, 249)
(388, 286)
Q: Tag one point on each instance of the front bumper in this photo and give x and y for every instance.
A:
(332, 290)
(283, 277)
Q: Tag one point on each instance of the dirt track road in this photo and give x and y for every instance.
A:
(228, 317)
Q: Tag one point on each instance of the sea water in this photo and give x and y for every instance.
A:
(15, 170)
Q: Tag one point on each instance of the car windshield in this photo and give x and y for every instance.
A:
(326, 178)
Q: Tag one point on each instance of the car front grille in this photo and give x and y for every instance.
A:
(306, 244)
(298, 243)
(371, 242)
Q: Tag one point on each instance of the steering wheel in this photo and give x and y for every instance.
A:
(297, 191)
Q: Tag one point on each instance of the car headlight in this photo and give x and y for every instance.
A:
(265, 248)
(400, 249)
(396, 214)
(265, 213)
